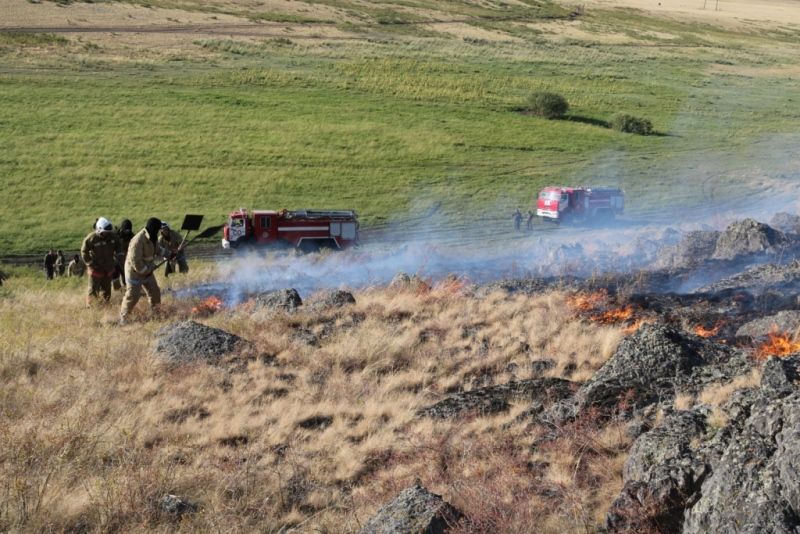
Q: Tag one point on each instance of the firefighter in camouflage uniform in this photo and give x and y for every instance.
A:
(99, 252)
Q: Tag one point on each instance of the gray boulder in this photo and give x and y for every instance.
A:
(494, 399)
(694, 248)
(189, 342)
(175, 506)
(280, 300)
(335, 298)
(747, 237)
(651, 366)
(662, 472)
(755, 486)
(784, 321)
(414, 511)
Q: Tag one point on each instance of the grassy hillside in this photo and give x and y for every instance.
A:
(95, 429)
(391, 119)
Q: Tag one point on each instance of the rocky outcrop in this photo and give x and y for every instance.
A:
(755, 485)
(748, 237)
(685, 476)
(336, 298)
(189, 342)
(650, 367)
(781, 279)
(662, 472)
(414, 511)
(693, 249)
(785, 321)
(280, 300)
(494, 399)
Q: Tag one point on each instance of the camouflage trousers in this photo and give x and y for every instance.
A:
(133, 292)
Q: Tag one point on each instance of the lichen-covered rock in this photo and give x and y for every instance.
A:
(414, 511)
(781, 279)
(755, 486)
(746, 237)
(651, 366)
(174, 505)
(662, 472)
(189, 341)
(694, 248)
(280, 300)
(493, 399)
(333, 299)
(784, 321)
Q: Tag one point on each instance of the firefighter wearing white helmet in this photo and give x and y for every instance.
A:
(99, 252)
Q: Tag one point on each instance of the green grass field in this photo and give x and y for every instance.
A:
(388, 126)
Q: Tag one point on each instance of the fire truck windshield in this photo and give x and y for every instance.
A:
(549, 195)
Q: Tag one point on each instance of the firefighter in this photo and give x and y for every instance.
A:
(99, 252)
(75, 267)
(171, 243)
(49, 264)
(517, 216)
(139, 268)
(531, 215)
(125, 234)
(61, 263)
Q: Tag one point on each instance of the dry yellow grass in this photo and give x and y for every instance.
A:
(94, 429)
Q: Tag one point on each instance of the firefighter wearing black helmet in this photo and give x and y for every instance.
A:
(99, 252)
(139, 269)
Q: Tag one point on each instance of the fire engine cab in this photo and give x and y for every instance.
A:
(308, 230)
(580, 204)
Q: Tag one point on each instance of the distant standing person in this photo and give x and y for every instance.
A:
(139, 268)
(125, 234)
(61, 263)
(170, 242)
(517, 216)
(99, 252)
(49, 264)
(531, 215)
(75, 267)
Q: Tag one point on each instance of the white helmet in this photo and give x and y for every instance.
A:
(103, 225)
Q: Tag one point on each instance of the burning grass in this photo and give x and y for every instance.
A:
(95, 431)
(778, 344)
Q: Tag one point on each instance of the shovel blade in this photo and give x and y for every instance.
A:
(192, 222)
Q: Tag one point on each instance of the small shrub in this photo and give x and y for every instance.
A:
(547, 105)
(629, 124)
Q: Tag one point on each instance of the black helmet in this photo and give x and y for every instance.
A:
(153, 226)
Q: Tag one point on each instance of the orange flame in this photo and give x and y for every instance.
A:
(636, 324)
(778, 344)
(617, 315)
(209, 306)
(585, 302)
(702, 331)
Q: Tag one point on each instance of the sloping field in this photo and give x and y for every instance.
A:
(126, 110)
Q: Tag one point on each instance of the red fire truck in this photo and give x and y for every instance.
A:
(308, 230)
(580, 204)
